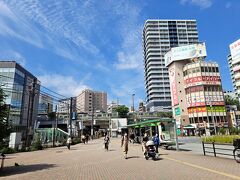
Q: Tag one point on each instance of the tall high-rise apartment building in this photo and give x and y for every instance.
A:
(89, 100)
(158, 37)
(234, 65)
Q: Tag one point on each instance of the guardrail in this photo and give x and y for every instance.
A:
(215, 147)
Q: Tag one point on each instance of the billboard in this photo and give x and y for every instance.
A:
(185, 52)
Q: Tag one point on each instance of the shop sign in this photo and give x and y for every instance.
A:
(177, 111)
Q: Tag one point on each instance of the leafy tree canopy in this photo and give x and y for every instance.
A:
(122, 111)
(232, 101)
(5, 128)
(52, 115)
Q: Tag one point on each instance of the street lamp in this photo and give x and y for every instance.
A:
(213, 119)
(133, 102)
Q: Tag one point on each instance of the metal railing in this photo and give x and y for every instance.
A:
(215, 147)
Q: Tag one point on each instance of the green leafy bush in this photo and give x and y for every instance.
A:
(8, 150)
(76, 141)
(221, 139)
(222, 131)
(36, 145)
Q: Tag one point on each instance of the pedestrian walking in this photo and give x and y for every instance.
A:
(87, 138)
(69, 142)
(144, 142)
(124, 145)
(106, 141)
(83, 139)
(156, 141)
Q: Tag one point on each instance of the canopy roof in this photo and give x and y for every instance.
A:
(150, 122)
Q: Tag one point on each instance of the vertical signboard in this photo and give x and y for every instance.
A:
(172, 78)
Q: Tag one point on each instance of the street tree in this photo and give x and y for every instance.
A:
(52, 115)
(232, 101)
(122, 111)
(5, 127)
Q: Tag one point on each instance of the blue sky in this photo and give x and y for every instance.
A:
(97, 44)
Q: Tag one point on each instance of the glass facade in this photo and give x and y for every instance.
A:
(22, 91)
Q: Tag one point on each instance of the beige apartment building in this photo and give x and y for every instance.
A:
(88, 101)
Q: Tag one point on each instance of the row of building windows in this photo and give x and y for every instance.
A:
(200, 69)
(204, 88)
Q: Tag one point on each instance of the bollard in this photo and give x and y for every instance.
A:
(3, 157)
(203, 148)
(214, 151)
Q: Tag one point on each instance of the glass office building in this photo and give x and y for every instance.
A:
(22, 90)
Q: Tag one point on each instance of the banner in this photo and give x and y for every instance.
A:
(173, 85)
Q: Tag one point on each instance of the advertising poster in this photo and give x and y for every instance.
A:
(173, 86)
(185, 52)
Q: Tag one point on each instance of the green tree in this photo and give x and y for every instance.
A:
(52, 115)
(5, 128)
(122, 111)
(165, 114)
(231, 101)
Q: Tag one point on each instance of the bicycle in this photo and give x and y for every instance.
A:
(236, 151)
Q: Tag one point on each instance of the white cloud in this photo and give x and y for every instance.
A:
(130, 55)
(64, 85)
(13, 56)
(203, 4)
(14, 26)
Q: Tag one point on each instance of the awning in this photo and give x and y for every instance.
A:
(188, 127)
(148, 123)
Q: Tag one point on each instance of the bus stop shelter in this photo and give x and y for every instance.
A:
(164, 127)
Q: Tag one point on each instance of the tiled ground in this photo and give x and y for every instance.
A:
(91, 161)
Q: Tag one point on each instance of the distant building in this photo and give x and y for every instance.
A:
(141, 107)
(89, 100)
(111, 106)
(158, 37)
(232, 94)
(63, 108)
(45, 105)
(22, 90)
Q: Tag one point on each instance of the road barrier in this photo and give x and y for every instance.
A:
(215, 147)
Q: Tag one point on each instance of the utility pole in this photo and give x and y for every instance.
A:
(133, 101)
(54, 127)
(213, 119)
(70, 116)
(92, 121)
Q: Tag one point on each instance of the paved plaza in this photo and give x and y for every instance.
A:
(92, 162)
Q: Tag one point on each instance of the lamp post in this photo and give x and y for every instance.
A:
(133, 102)
(213, 119)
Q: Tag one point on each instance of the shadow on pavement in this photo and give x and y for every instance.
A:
(158, 159)
(13, 170)
(111, 150)
(131, 157)
(160, 154)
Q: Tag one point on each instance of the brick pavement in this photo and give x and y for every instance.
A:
(91, 162)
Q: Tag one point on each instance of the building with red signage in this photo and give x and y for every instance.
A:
(196, 90)
(203, 89)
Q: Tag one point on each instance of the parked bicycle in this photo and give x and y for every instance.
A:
(236, 151)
